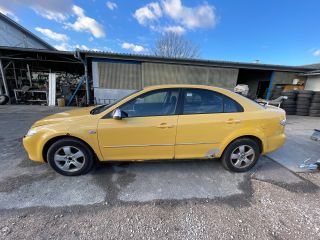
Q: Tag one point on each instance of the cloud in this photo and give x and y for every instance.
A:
(52, 35)
(201, 16)
(86, 24)
(133, 47)
(148, 13)
(316, 53)
(82, 47)
(175, 29)
(111, 5)
(62, 47)
(51, 9)
(67, 47)
(51, 15)
(8, 13)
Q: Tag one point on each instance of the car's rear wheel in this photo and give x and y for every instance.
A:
(241, 155)
(70, 157)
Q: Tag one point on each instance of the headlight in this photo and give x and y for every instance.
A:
(31, 132)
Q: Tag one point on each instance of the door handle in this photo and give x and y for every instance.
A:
(165, 125)
(231, 120)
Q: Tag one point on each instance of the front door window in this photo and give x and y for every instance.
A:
(156, 103)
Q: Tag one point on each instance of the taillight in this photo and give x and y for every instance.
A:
(283, 122)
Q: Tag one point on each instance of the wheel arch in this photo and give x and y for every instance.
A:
(252, 137)
(49, 143)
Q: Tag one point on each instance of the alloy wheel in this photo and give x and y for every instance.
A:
(242, 156)
(69, 159)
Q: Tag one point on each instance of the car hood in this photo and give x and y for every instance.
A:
(64, 117)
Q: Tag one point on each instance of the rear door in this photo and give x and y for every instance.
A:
(207, 117)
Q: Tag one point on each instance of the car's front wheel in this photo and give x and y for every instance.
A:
(70, 157)
(241, 155)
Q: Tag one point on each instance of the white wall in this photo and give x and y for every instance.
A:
(313, 83)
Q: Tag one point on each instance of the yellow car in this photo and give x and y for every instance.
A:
(159, 122)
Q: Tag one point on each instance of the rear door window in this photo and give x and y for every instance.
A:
(202, 101)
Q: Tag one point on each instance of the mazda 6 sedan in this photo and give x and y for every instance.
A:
(164, 122)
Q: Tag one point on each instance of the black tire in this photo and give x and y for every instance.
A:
(305, 95)
(289, 109)
(314, 111)
(314, 107)
(4, 99)
(302, 114)
(226, 160)
(289, 94)
(303, 103)
(303, 99)
(289, 102)
(305, 92)
(302, 109)
(314, 115)
(315, 100)
(290, 113)
(56, 148)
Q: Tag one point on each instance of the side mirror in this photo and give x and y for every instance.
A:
(117, 114)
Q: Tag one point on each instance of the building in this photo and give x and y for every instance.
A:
(115, 75)
(26, 62)
(313, 78)
(13, 34)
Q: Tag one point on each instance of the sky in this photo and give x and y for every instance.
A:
(270, 31)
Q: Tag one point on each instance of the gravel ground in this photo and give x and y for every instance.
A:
(119, 201)
(273, 213)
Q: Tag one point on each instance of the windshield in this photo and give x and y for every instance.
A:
(101, 108)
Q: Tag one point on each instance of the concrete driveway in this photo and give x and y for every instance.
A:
(26, 185)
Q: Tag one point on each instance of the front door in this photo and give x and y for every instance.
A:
(147, 132)
(207, 118)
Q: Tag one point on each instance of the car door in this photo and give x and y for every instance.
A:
(147, 132)
(206, 119)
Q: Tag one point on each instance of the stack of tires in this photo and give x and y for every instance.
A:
(290, 104)
(304, 98)
(314, 110)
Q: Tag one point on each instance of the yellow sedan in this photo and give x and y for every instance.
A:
(160, 122)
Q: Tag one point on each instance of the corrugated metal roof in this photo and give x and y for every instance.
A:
(156, 59)
(313, 66)
(22, 29)
(198, 62)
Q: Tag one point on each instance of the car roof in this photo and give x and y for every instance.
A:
(182, 86)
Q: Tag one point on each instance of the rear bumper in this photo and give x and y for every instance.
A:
(275, 142)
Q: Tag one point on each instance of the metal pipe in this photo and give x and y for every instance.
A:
(38, 60)
(29, 75)
(5, 67)
(270, 85)
(15, 74)
(4, 79)
(84, 62)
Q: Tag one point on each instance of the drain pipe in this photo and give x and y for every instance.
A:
(77, 55)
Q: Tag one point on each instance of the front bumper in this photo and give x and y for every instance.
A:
(31, 145)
